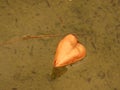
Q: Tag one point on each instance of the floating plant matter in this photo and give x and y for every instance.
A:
(69, 51)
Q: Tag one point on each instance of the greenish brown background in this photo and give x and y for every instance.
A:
(26, 64)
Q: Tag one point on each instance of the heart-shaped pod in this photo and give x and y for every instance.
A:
(69, 51)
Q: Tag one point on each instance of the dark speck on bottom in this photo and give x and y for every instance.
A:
(115, 89)
(101, 75)
(14, 88)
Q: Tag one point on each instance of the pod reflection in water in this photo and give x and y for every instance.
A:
(69, 51)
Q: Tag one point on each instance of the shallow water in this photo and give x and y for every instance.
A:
(26, 64)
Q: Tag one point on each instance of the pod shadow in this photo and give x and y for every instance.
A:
(57, 72)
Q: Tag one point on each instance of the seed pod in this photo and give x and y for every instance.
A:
(69, 51)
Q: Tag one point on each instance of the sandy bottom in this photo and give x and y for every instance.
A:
(26, 61)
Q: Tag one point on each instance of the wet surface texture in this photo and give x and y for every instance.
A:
(26, 62)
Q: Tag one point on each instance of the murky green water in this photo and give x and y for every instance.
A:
(26, 64)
